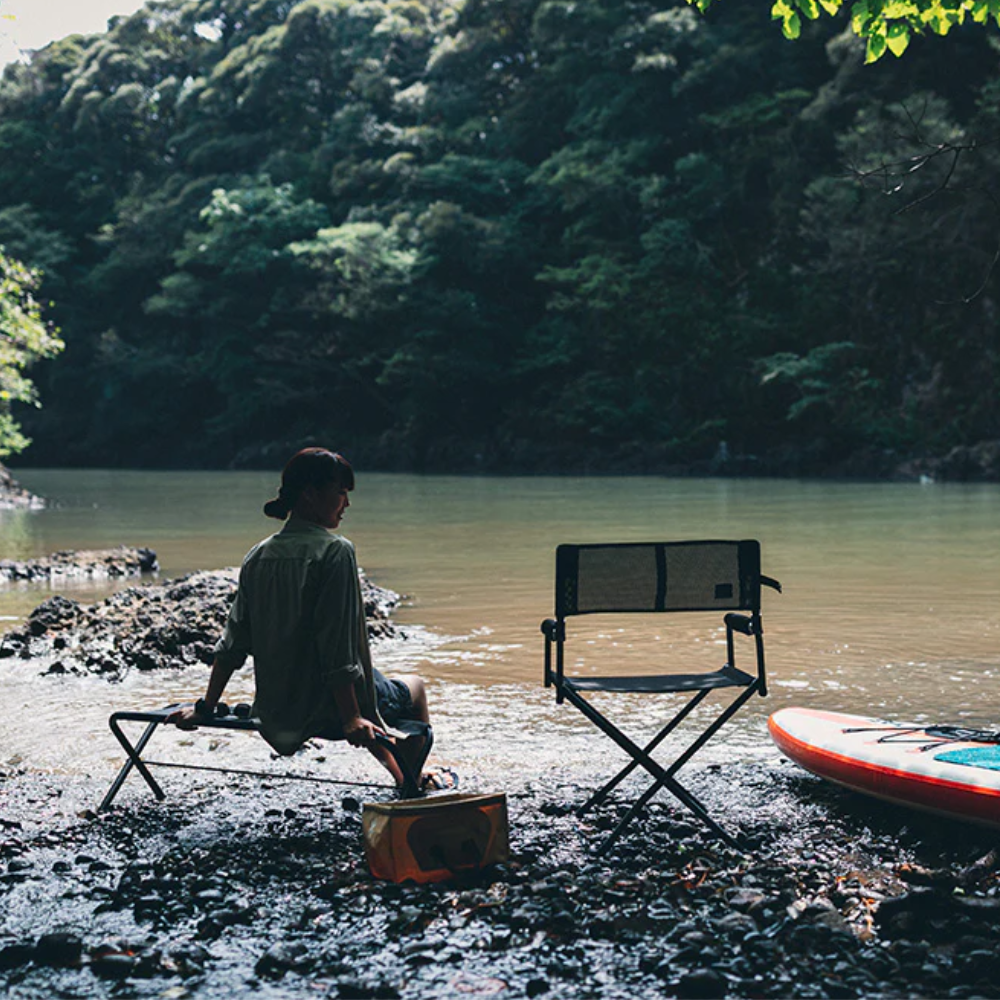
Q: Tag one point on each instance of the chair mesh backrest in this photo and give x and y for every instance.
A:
(657, 576)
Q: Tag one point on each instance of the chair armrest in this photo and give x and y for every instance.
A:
(739, 623)
(550, 629)
(554, 631)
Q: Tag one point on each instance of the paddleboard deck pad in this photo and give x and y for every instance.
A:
(943, 769)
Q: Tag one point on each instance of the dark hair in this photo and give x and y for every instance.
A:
(309, 467)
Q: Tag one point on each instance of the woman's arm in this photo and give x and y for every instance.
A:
(358, 731)
(186, 717)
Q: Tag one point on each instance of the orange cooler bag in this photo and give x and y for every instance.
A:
(429, 840)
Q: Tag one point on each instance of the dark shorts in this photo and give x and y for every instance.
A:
(394, 705)
(394, 702)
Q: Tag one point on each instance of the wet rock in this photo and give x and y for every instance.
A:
(95, 564)
(13, 956)
(701, 984)
(150, 627)
(110, 962)
(13, 496)
(984, 909)
(187, 960)
(281, 958)
(58, 949)
(980, 869)
(903, 915)
(736, 923)
(744, 899)
(663, 917)
(354, 989)
(210, 897)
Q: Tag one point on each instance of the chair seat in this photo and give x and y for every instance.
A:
(727, 676)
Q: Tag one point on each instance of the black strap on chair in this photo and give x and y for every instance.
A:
(155, 719)
(659, 577)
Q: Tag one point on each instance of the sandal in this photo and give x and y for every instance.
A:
(441, 779)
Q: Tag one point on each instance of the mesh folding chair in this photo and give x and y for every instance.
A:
(609, 579)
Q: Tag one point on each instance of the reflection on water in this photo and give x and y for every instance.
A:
(889, 603)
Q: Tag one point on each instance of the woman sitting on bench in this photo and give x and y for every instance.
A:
(299, 612)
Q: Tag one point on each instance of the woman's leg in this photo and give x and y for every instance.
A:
(418, 698)
(411, 748)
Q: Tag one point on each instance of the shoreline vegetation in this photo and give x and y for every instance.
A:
(962, 463)
(836, 896)
(534, 237)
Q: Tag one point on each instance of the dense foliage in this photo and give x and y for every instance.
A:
(24, 338)
(510, 234)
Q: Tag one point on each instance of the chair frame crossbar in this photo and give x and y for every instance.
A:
(156, 718)
(568, 689)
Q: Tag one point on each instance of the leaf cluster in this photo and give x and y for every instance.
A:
(24, 339)
(885, 25)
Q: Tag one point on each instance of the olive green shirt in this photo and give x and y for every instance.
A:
(299, 612)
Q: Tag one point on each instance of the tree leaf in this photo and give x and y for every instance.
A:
(876, 48)
(792, 27)
(860, 16)
(897, 38)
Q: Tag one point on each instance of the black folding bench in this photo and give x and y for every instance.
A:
(240, 720)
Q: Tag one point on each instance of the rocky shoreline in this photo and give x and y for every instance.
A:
(80, 564)
(265, 889)
(13, 496)
(259, 886)
(148, 627)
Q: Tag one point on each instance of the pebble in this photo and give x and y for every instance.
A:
(701, 984)
(13, 956)
(280, 958)
(113, 965)
(58, 949)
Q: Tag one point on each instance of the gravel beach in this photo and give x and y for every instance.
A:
(260, 887)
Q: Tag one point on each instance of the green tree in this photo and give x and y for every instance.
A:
(24, 339)
(886, 25)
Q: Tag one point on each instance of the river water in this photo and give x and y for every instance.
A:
(889, 607)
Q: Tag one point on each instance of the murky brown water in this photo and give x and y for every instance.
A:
(889, 607)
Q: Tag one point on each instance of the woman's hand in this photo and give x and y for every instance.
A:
(185, 717)
(359, 732)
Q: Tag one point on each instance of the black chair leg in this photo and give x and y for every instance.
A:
(602, 793)
(683, 796)
(134, 759)
(663, 778)
(678, 789)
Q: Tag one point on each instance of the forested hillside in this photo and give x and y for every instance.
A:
(518, 235)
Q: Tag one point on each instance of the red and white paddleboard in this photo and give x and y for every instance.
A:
(937, 768)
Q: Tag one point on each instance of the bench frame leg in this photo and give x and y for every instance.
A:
(135, 760)
(133, 751)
